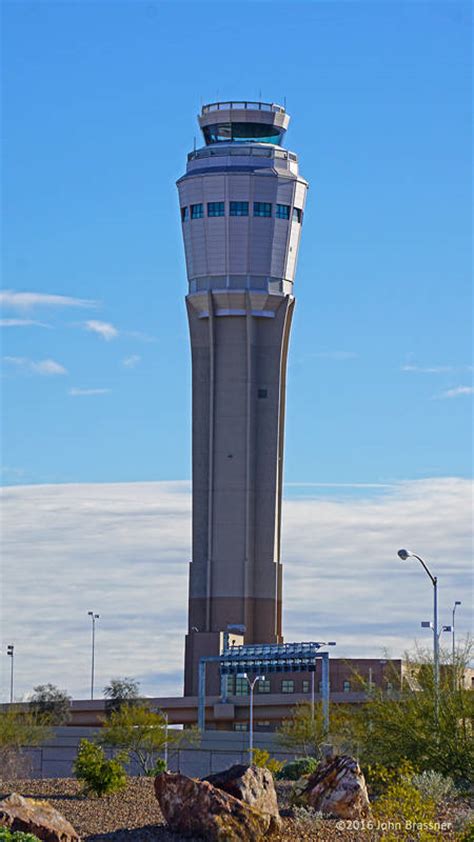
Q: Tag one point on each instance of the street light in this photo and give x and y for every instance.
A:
(251, 684)
(10, 653)
(427, 624)
(454, 644)
(93, 617)
(404, 554)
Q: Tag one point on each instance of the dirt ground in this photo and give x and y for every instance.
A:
(133, 815)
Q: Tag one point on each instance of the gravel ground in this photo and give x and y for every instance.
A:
(133, 815)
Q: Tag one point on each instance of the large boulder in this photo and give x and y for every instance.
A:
(337, 788)
(37, 817)
(254, 786)
(196, 808)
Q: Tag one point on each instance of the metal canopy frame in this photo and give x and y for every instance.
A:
(284, 657)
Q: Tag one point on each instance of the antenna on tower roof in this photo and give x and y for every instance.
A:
(284, 102)
(194, 143)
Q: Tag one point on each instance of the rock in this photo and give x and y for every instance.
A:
(252, 785)
(338, 788)
(37, 817)
(196, 808)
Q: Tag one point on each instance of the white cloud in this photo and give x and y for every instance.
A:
(131, 361)
(21, 323)
(457, 392)
(123, 550)
(28, 300)
(434, 369)
(104, 329)
(77, 391)
(44, 367)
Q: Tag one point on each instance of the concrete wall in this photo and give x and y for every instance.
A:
(218, 750)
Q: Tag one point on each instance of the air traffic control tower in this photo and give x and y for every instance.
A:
(242, 204)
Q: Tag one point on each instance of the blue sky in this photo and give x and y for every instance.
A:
(100, 103)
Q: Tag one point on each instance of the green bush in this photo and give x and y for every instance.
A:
(98, 775)
(295, 769)
(434, 786)
(158, 768)
(262, 758)
(379, 778)
(468, 833)
(7, 835)
(403, 805)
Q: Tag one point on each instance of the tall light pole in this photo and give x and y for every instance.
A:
(11, 653)
(251, 684)
(93, 617)
(404, 554)
(454, 644)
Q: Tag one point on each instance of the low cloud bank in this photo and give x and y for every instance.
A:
(122, 550)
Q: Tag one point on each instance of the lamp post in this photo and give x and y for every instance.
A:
(93, 617)
(454, 644)
(251, 684)
(404, 554)
(11, 654)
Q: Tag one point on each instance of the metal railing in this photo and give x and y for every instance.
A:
(251, 106)
(241, 150)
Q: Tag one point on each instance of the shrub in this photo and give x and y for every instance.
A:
(295, 769)
(98, 775)
(379, 778)
(7, 835)
(142, 734)
(158, 768)
(468, 833)
(434, 786)
(18, 729)
(308, 817)
(50, 705)
(402, 804)
(262, 758)
(121, 691)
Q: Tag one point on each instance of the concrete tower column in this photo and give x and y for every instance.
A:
(242, 204)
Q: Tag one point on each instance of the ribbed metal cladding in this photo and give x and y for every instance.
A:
(241, 229)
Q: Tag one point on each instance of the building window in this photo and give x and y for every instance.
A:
(263, 724)
(239, 209)
(297, 214)
(241, 726)
(262, 393)
(305, 686)
(197, 211)
(230, 685)
(288, 686)
(241, 687)
(184, 214)
(346, 686)
(282, 212)
(262, 209)
(215, 208)
(264, 686)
